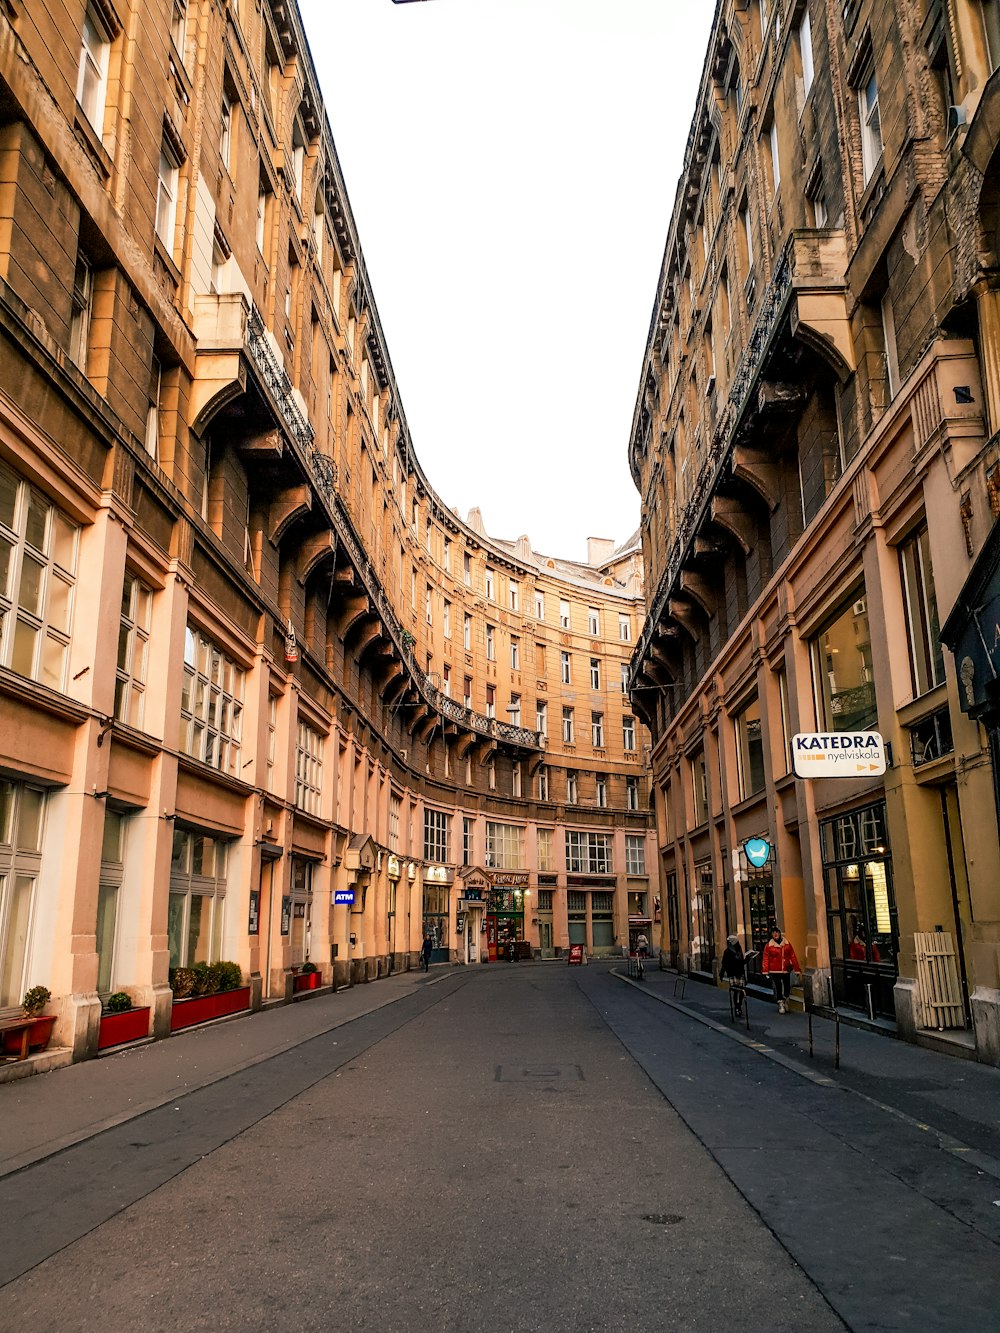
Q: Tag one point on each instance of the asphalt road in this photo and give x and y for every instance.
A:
(513, 1148)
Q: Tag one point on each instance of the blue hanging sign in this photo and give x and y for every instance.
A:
(758, 851)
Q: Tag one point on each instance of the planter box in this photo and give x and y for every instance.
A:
(38, 1038)
(203, 1008)
(307, 981)
(116, 1029)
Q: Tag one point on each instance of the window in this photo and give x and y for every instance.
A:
(467, 569)
(628, 733)
(624, 627)
(467, 827)
(262, 219)
(491, 701)
(567, 725)
(842, 669)
(564, 614)
(22, 810)
(597, 730)
(749, 749)
(635, 854)
(153, 395)
(565, 666)
(109, 887)
(806, 51)
(446, 619)
(747, 230)
(588, 853)
(166, 197)
(572, 787)
(546, 860)
(272, 742)
(504, 846)
(197, 898)
(772, 138)
(515, 653)
(514, 594)
(593, 621)
(515, 778)
(178, 25)
(543, 791)
(491, 775)
(467, 632)
(595, 673)
(624, 671)
(542, 716)
(446, 680)
(467, 692)
(922, 625)
(490, 588)
(226, 133)
(428, 604)
(889, 343)
(82, 308)
(92, 75)
(632, 793)
(491, 647)
(601, 792)
(211, 704)
(871, 126)
(436, 830)
(308, 769)
(514, 710)
(540, 658)
(446, 556)
(539, 606)
(133, 651)
(38, 556)
(699, 787)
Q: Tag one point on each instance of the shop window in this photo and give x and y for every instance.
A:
(21, 819)
(197, 898)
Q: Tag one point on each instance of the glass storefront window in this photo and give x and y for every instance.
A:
(842, 669)
(703, 920)
(861, 909)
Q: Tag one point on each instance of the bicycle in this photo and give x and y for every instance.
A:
(640, 966)
(739, 1003)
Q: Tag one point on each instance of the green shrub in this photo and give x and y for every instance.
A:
(308, 968)
(182, 980)
(228, 976)
(120, 1002)
(203, 980)
(35, 1001)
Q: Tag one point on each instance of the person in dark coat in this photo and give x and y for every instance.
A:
(426, 950)
(734, 966)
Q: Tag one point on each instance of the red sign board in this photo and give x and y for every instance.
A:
(575, 954)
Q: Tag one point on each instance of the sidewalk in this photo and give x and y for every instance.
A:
(957, 1098)
(43, 1114)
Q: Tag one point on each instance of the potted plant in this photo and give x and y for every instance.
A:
(122, 1021)
(32, 1007)
(309, 978)
(206, 991)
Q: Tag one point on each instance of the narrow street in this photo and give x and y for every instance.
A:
(515, 1147)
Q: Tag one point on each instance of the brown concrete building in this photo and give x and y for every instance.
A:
(264, 697)
(815, 444)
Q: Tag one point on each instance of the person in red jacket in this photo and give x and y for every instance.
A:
(777, 962)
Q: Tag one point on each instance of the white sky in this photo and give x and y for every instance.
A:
(512, 166)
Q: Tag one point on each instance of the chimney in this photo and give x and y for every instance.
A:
(599, 551)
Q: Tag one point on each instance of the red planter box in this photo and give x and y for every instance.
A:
(307, 981)
(203, 1008)
(116, 1029)
(38, 1039)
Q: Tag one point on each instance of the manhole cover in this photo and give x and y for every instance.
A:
(662, 1219)
(539, 1074)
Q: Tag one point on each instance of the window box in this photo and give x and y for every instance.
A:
(203, 1008)
(117, 1029)
(39, 1035)
(307, 981)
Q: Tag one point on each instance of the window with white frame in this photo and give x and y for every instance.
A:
(178, 26)
(624, 627)
(446, 556)
(467, 832)
(166, 196)
(514, 711)
(272, 741)
(871, 124)
(539, 605)
(22, 810)
(514, 593)
(490, 585)
(588, 853)
(491, 701)
(467, 632)
(109, 888)
(308, 768)
(515, 778)
(92, 74)
(429, 604)
(564, 614)
(491, 775)
(446, 681)
(772, 139)
(632, 793)
(635, 854)
(572, 787)
(624, 671)
(437, 827)
(543, 785)
(546, 859)
(395, 810)
(565, 668)
(197, 898)
(504, 846)
(542, 716)
(597, 730)
(38, 561)
(491, 645)
(467, 569)
(593, 621)
(81, 311)
(133, 651)
(446, 619)
(601, 792)
(922, 622)
(211, 704)
(806, 51)
(595, 673)
(226, 135)
(567, 725)
(628, 733)
(467, 692)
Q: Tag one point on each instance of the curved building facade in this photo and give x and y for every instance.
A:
(265, 698)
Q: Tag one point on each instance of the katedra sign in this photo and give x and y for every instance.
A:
(838, 754)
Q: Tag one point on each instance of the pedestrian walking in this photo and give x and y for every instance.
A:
(777, 962)
(734, 966)
(426, 951)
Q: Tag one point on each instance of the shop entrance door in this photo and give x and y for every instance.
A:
(501, 928)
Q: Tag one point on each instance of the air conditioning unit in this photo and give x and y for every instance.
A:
(861, 606)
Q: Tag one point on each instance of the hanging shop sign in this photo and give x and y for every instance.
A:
(838, 754)
(343, 897)
(757, 851)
